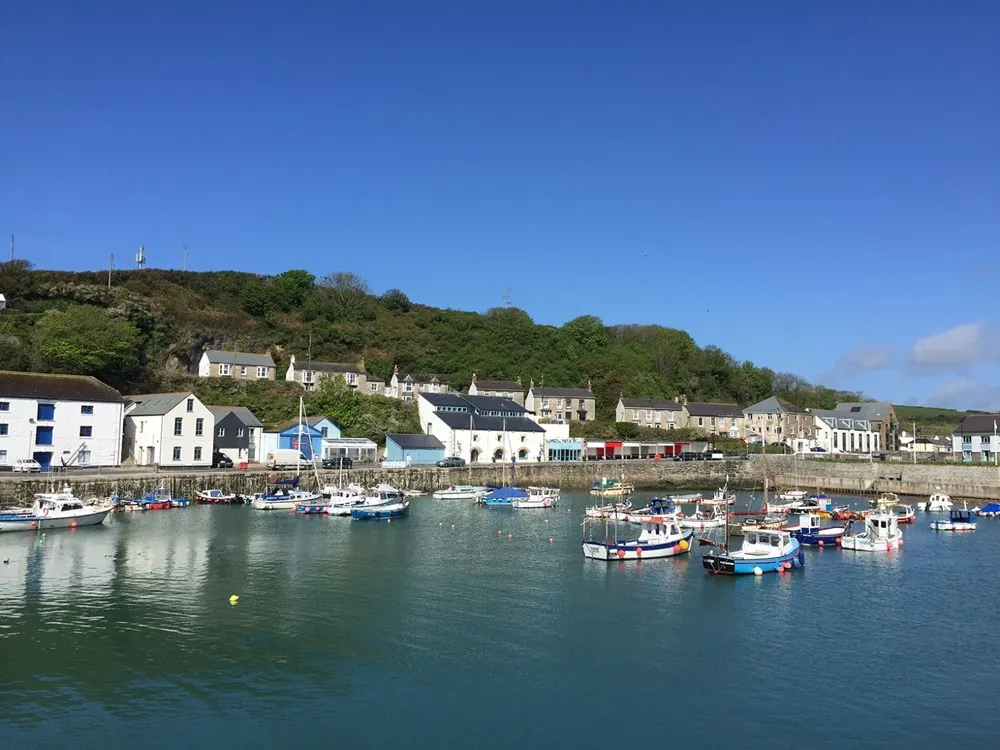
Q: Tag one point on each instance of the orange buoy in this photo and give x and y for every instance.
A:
(621, 553)
(638, 551)
(820, 543)
(500, 532)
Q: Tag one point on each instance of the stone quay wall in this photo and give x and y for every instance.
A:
(978, 483)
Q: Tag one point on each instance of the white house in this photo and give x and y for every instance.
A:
(841, 432)
(237, 365)
(976, 439)
(168, 429)
(3, 302)
(59, 420)
(482, 429)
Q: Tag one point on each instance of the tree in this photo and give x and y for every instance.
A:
(345, 288)
(587, 332)
(83, 340)
(291, 288)
(15, 279)
(254, 297)
(396, 301)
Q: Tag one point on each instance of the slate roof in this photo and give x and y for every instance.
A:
(842, 420)
(871, 410)
(714, 410)
(155, 404)
(539, 392)
(499, 385)
(415, 442)
(243, 359)
(978, 424)
(446, 399)
(56, 387)
(423, 378)
(651, 403)
(329, 367)
(473, 403)
(489, 424)
(774, 405)
(242, 413)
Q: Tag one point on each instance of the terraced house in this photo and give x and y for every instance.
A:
(650, 412)
(409, 387)
(309, 374)
(239, 365)
(511, 389)
(724, 420)
(776, 421)
(561, 404)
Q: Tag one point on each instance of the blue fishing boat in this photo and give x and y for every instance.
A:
(660, 537)
(379, 512)
(810, 531)
(504, 497)
(763, 551)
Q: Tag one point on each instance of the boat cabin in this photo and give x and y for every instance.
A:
(961, 516)
(662, 506)
(658, 526)
(765, 543)
(881, 525)
(59, 506)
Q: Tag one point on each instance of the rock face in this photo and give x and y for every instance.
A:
(189, 360)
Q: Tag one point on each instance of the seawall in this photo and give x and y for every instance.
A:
(977, 483)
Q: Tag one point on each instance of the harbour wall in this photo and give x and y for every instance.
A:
(835, 476)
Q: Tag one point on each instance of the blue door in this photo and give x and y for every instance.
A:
(44, 459)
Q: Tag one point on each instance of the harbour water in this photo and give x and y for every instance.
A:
(440, 630)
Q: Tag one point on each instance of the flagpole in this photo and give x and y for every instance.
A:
(995, 443)
(914, 442)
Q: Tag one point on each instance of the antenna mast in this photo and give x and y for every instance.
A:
(185, 257)
(111, 267)
(506, 297)
(140, 257)
(12, 247)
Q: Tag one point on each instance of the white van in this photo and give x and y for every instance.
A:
(285, 458)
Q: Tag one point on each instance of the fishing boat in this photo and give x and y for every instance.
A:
(701, 521)
(938, 502)
(990, 510)
(658, 506)
(722, 496)
(817, 503)
(538, 497)
(764, 551)
(340, 502)
(959, 519)
(904, 513)
(660, 537)
(611, 487)
(810, 531)
(504, 497)
(791, 496)
(615, 511)
(158, 499)
(762, 523)
(694, 497)
(384, 501)
(55, 510)
(213, 496)
(460, 492)
(881, 533)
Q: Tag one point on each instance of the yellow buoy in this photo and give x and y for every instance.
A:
(233, 599)
(684, 544)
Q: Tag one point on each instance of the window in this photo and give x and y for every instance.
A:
(3, 458)
(261, 372)
(4, 405)
(178, 424)
(323, 431)
(649, 415)
(225, 369)
(239, 432)
(46, 412)
(83, 457)
(475, 437)
(499, 438)
(243, 372)
(583, 403)
(177, 453)
(3, 428)
(199, 427)
(197, 453)
(374, 387)
(635, 414)
(86, 431)
(43, 436)
(86, 409)
(190, 405)
(221, 432)
(545, 403)
(352, 378)
(408, 387)
(701, 421)
(656, 416)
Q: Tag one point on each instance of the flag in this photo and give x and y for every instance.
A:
(918, 431)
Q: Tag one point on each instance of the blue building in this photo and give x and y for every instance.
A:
(413, 449)
(325, 426)
(311, 439)
(566, 449)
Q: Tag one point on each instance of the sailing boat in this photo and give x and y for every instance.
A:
(791, 496)
(285, 494)
(763, 550)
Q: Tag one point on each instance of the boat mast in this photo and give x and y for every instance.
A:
(470, 448)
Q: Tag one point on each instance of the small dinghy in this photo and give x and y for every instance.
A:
(614, 512)
(990, 510)
(213, 496)
(904, 513)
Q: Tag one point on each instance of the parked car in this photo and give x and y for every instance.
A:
(817, 449)
(451, 462)
(712, 456)
(221, 461)
(338, 462)
(690, 456)
(26, 465)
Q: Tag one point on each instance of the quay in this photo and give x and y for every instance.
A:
(974, 482)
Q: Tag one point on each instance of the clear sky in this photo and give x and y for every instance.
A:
(811, 185)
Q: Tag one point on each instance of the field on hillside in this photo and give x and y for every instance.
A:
(931, 420)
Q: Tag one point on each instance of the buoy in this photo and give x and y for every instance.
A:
(453, 527)
(72, 524)
(510, 536)
(440, 523)
(757, 571)
(233, 599)
(550, 542)
(621, 553)
(499, 532)
(888, 546)
(684, 544)
(638, 551)
(820, 542)
(388, 520)
(6, 561)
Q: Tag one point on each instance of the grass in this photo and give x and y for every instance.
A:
(931, 420)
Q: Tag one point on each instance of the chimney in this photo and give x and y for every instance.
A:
(362, 363)
(473, 377)
(531, 384)
(519, 380)
(589, 387)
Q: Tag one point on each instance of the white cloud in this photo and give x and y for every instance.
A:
(956, 348)
(966, 393)
(866, 357)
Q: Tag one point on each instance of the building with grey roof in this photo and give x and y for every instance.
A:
(239, 365)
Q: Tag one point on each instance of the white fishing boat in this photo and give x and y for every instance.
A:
(381, 495)
(658, 506)
(340, 501)
(939, 502)
(538, 497)
(958, 520)
(881, 533)
(790, 496)
(722, 496)
(660, 537)
(330, 491)
(55, 510)
(461, 492)
(702, 521)
(615, 511)
(213, 496)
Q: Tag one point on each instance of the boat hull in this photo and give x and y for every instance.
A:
(312, 509)
(952, 526)
(533, 503)
(632, 549)
(379, 513)
(274, 504)
(720, 563)
(821, 538)
(862, 543)
(17, 522)
(701, 524)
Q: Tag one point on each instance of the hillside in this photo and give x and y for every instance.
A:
(149, 329)
(931, 420)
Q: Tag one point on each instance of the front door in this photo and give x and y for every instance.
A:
(44, 459)
(150, 456)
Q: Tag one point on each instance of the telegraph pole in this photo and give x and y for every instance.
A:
(111, 267)
(185, 257)
(12, 247)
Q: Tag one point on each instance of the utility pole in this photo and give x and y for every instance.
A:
(140, 258)
(185, 257)
(506, 297)
(12, 247)
(111, 267)
(914, 442)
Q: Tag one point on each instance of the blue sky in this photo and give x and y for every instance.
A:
(812, 186)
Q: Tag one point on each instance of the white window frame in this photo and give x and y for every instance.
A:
(225, 369)
(261, 372)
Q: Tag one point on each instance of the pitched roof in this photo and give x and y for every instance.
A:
(650, 403)
(447, 399)
(561, 392)
(155, 404)
(978, 424)
(774, 405)
(424, 378)
(466, 403)
(242, 413)
(329, 367)
(713, 410)
(871, 410)
(489, 424)
(842, 420)
(498, 385)
(243, 359)
(56, 387)
(309, 421)
(416, 441)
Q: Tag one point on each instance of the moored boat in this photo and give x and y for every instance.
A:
(538, 497)
(990, 510)
(384, 502)
(214, 496)
(55, 510)
(284, 495)
(810, 531)
(460, 492)
(904, 513)
(881, 533)
(658, 506)
(722, 496)
(611, 487)
(938, 502)
(157, 499)
(701, 521)
(959, 519)
(660, 537)
(763, 551)
(340, 502)
(615, 511)
(504, 497)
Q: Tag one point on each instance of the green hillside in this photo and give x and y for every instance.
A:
(931, 420)
(148, 330)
